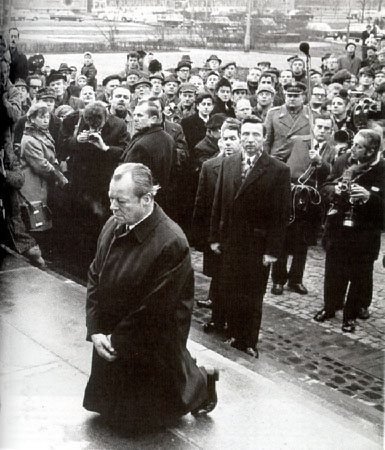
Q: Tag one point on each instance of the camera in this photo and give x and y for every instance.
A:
(93, 137)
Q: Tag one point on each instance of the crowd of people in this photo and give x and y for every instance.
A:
(253, 163)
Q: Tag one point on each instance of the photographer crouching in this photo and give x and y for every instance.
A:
(355, 190)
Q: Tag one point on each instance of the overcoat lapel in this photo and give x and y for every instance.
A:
(256, 171)
(293, 125)
(235, 172)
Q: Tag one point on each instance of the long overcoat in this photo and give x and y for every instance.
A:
(156, 149)
(38, 158)
(140, 290)
(362, 241)
(202, 213)
(281, 127)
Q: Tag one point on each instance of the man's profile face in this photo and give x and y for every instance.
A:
(322, 129)
(252, 138)
(126, 207)
(13, 38)
(359, 150)
(141, 118)
(230, 141)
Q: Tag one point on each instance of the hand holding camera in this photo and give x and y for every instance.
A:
(96, 139)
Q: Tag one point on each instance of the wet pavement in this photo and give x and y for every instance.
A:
(319, 354)
(267, 403)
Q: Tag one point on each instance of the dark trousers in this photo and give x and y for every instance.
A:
(341, 273)
(216, 295)
(246, 298)
(279, 273)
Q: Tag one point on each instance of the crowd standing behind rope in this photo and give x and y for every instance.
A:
(319, 131)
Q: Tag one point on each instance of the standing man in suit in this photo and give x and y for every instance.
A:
(248, 221)
(310, 163)
(230, 144)
(287, 121)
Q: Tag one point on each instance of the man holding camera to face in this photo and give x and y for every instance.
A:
(356, 191)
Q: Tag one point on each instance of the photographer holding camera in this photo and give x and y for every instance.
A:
(356, 190)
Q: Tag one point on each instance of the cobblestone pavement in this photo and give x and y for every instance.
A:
(350, 363)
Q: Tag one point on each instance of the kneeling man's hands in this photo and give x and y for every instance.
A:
(103, 346)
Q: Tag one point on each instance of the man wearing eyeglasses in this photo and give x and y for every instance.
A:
(34, 83)
(139, 303)
(285, 122)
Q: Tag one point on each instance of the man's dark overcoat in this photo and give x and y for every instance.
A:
(141, 291)
(202, 212)
(156, 149)
(362, 241)
(249, 219)
(91, 169)
(194, 128)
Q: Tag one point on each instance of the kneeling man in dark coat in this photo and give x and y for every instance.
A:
(139, 304)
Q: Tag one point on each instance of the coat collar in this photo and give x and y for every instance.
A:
(144, 228)
(256, 171)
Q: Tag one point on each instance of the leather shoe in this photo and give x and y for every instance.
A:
(323, 315)
(363, 313)
(231, 341)
(205, 303)
(209, 327)
(34, 256)
(277, 289)
(252, 352)
(212, 399)
(299, 288)
(349, 326)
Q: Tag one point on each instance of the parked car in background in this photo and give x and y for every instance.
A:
(319, 30)
(115, 16)
(66, 15)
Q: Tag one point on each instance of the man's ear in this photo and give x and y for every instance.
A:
(154, 119)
